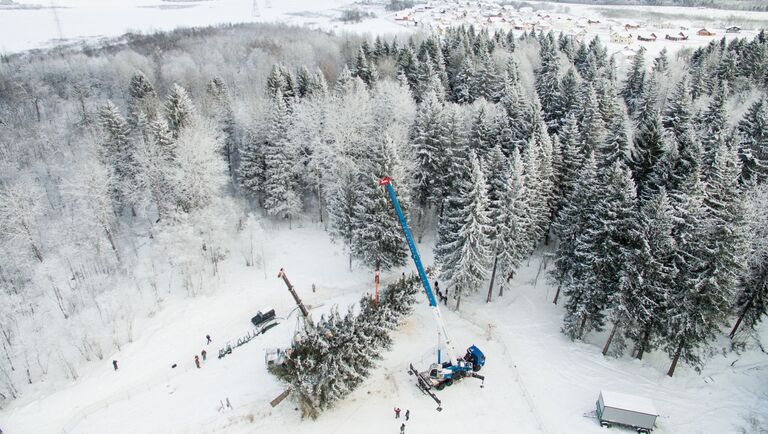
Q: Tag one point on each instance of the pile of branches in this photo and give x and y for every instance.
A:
(336, 356)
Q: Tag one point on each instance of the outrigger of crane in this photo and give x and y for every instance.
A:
(442, 373)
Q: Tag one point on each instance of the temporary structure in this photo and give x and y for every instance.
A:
(622, 409)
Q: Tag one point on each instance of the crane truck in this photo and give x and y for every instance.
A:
(442, 373)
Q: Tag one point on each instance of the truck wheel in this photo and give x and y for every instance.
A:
(605, 424)
(476, 368)
(449, 382)
(440, 386)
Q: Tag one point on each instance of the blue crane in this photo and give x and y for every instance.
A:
(443, 373)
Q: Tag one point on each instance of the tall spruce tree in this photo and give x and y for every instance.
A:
(281, 188)
(753, 143)
(463, 247)
(377, 239)
(179, 110)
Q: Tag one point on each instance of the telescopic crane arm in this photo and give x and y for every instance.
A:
(387, 183)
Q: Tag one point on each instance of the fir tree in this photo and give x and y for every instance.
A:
(179, 110)
(378, 239)
(658, 221)
(591, 121)
(752, 302)
(753, 143)
(118, 151)
(428, 140)
(224, 118)
(463, 85)
(635, 84)
(462, 249)
(713, 126)
(143, 100)
(281, 191)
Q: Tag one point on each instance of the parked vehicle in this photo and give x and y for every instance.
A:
(622, 409)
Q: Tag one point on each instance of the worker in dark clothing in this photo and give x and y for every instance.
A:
(209, 339)
(203, 353)
(114, 364)
(402, 429)
(197, 361)
(397, 413)
(407, 414)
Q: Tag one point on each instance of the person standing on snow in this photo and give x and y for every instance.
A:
(114, 364)
(209, 339)
(203, 353)
(407, 414)
(402, 429)
(197, 361)
(397, 413)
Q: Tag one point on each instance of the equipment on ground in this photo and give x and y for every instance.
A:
(443, 373)
(628, 410)
(263, 315)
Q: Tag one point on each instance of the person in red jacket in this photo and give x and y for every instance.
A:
(397, 412)
(197, 361)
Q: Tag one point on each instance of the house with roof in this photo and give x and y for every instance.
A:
(623, 38)
(733, 29)
(678, 37)
(649, 38)
(705, 32)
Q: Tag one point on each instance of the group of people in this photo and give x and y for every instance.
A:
(197, 358)
(440, 296)
(202, 353)
(407, 416)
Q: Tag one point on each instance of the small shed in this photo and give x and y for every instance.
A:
(733, 29)
(622, 409)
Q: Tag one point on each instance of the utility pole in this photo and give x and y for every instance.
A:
(296, 298)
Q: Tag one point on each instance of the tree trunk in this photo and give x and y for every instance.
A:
(112, 243)
(557, 294)
(493, 277)
(676, 358)
(741, 318)
(350, 261)
(36, 251)
(581, 327)
(610, 338)
(643, 344)
(458, 299)
(37, 108)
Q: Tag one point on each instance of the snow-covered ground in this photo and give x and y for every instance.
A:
(537, 380)
(72, 20)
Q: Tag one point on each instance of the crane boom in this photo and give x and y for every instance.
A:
(387, 183)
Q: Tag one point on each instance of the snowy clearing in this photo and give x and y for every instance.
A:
(537, 380)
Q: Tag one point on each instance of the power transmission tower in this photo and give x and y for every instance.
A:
(255, 12)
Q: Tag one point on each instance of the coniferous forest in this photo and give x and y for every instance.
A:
(644, 177)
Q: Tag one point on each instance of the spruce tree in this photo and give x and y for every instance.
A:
(378, 239)
(635, 83)
(224, 118)
(281, 190)
(752, 302)
(713, 126)
(143, 100)
(658, 221)
(118, 151)
(179, 110)
(622, 257)
(753, 143)
(428, 141)
(591, 121)
(462, 249)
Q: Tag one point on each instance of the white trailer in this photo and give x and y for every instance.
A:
(622, 409)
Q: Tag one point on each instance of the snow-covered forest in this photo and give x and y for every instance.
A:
(127, 169)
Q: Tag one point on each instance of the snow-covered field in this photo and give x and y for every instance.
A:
(72, 20)
(537, 380)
